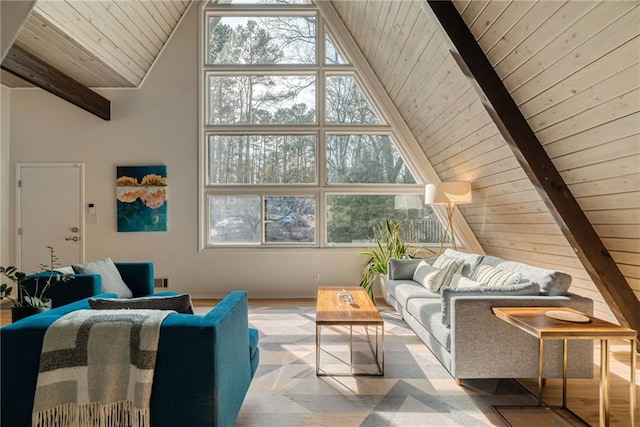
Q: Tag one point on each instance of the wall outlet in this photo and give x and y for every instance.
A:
(316, 277)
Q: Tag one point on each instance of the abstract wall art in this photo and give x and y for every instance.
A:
(142, 198)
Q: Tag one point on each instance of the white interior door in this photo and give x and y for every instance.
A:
(50, 198)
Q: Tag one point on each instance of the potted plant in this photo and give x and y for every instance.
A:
(28, 302)
(388, 244)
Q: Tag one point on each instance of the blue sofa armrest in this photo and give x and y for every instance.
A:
(214, 373)
(138, 276)
(62, 293)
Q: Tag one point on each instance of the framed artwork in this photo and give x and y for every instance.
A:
(142, 198)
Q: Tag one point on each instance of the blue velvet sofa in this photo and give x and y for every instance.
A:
(204, 366)
(138, 276)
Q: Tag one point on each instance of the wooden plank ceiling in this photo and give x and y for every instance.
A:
(573, 69)
(100, 44)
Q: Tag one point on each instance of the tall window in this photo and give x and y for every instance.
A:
(295, 152)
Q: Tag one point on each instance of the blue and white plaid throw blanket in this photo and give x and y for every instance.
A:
(96, 369)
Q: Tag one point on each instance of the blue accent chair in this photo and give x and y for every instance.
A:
(204, 366)
(138, 276)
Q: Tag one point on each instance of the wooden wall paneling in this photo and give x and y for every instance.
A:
(461, 5)
(117, 23)
(487, 199)
(378, 59)
(614, 130)
(86, 35)
(603, 153)
(517, 184)
(615, 216)
(546, 239)
(608, 111)
(624, 56)
(412, 55)
(478, 164)
(488, 180)
(156, 10)
(515, 228)
(465, 150)
(447, 121)
(121, 41)
(374, 24)
(617, 184)
(622, 166)
(402, 32)
(133, 11)
(412, 106)
(527, 24)
(501, 24)
(473, 10)
(568, 28)
(487, 16)
(446, 94)
(148, 14)
(628, 257)
(508, 209)
(610, 37)
(620, 201)
(64, 53)
(616, 86)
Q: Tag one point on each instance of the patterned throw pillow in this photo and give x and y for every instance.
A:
(450, 265)
(494, 277)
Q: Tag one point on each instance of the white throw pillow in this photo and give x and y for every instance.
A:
(64, 270)
(111, 280)
(494, 277)
(459, 281)
(430, 277)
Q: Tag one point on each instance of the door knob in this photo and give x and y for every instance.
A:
(74, 229)
(74, 238)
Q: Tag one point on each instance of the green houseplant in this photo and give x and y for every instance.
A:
(389, 243)
(27, 302)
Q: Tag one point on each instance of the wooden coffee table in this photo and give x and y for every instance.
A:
(331, 312)
(537, 322)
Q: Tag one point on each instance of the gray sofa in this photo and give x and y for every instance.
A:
(460, 329)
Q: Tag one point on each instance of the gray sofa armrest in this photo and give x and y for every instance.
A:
(484, 346)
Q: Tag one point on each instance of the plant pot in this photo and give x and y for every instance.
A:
(20, 312)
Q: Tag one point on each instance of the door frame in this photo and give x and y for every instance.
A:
(18, 196)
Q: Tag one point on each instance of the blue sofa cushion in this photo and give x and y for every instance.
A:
(180, 303)
(111, 278)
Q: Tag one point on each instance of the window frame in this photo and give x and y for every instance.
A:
(321, 189)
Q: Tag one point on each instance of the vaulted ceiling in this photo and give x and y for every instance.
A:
(571, 67)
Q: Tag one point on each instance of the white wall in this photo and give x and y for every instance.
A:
(158, 124)
(5, 209)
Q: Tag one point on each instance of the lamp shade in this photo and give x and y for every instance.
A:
(457, 192)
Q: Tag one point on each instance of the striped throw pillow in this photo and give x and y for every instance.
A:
(450, 266)
(494, 277)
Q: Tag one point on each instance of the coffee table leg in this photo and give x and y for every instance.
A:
(564, 373)
(317, 350)
(351, 348)
(540, 370)
(604, 382)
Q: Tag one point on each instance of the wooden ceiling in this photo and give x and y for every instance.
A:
(100, 44)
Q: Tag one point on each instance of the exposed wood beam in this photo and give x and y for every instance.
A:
(32, 69)
(536, 163)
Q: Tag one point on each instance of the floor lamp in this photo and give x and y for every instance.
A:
(449, 194)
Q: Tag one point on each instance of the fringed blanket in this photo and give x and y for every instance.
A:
(96, 369)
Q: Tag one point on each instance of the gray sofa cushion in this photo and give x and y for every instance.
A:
(427, 312)
(551, 282)
(526, 288)
(403, 269)
(404, 290)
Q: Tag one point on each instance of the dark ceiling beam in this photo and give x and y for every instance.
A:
(537, 165)
(28, 67)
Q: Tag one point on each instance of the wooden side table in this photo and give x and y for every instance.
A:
(362, 311)
(534, 321)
